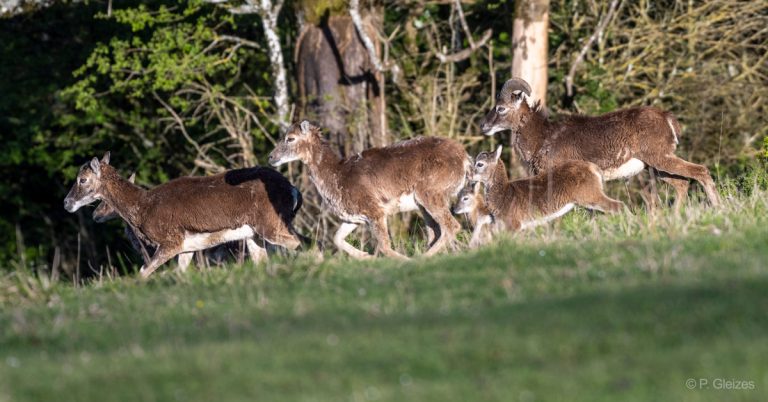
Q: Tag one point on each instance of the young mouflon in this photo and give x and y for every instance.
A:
(194, 213)
(418, 174)
(471, 201)
(621, 143)
(524, 203)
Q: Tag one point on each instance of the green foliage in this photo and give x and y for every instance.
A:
(316, 10)
(172, 55)
(100, 89)
(765, 147)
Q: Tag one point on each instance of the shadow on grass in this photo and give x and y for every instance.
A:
(634, 344)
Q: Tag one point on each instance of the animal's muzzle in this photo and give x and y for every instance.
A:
(486, 124)
(68, 204)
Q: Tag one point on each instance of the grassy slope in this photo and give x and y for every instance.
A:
(594, 308)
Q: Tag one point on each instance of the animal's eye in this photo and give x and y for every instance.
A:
(290, 139)
(480, 164)
(83, 180)
(465, 198)
(501, 109)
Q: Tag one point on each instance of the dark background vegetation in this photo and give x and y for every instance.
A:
(154, 83)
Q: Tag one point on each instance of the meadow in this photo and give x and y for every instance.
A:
(590, 308)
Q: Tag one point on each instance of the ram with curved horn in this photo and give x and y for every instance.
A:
(621, 143)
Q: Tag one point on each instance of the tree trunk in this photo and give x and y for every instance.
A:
(529, 43)
(338, 86)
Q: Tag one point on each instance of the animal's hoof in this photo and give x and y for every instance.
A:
(144, 273)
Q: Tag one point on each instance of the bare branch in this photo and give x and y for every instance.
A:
(606, 18)
(464, 25)
(245, 9)
(238, 40)
(464, 53)
(354, 12)
(269, 11)
(180, 122)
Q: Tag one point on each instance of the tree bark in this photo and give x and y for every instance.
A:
(530, 45)
(339, 86)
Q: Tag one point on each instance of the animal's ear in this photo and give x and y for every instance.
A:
(96, 167)
(497, 155)
(132, 178)
(518, 97)
(305, 126)
(105, 158)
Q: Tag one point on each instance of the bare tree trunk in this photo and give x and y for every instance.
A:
(529, 42)
(269, 10)
(269, 21)
(339, 86)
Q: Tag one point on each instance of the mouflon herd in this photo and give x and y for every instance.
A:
(568, 160)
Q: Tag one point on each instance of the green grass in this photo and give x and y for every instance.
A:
(592, 308)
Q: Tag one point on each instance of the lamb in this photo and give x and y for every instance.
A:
(471, 202)
(532, 201)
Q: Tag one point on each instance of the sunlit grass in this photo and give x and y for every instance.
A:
(591, 307)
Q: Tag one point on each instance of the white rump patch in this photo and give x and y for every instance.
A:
(407, 202)
(671, 127)
(536, 222)
(628, 169)
(202, 241)
(404, 203)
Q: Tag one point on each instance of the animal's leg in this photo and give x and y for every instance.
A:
(340, 240)
(680, 184)
(256, 252)
(650, 193)
(137, 243)
(161, 256)
(306, 242)
(433, 229)
(438, 206)
(449, 227)
(477, 233)
(675, 166)
(603, 203)
(184, 260)
(383, 244)
(284, 237)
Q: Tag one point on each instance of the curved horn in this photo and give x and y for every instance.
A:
(512, 85)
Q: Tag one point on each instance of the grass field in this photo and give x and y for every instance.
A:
(592, 308)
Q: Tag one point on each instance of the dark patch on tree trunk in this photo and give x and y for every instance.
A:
(338, 86)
